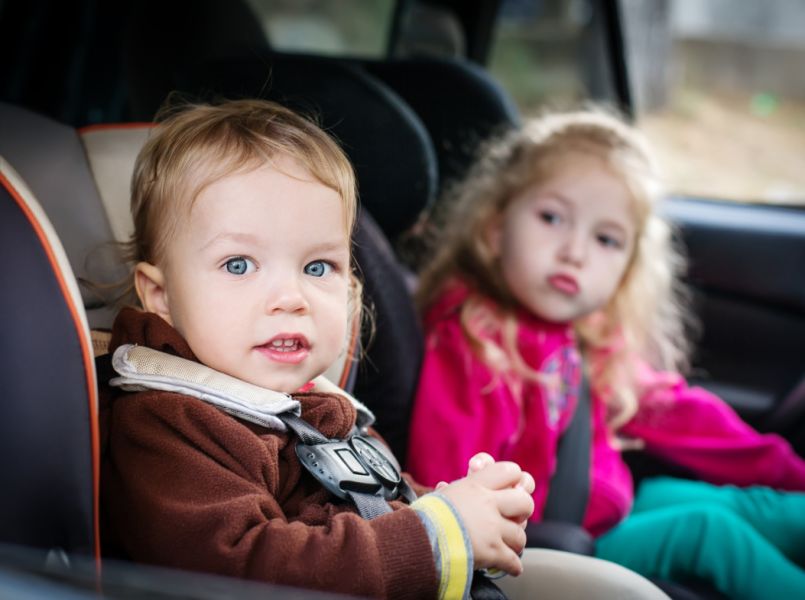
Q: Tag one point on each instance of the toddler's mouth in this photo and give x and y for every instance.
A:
(286, 348)
(285, 345)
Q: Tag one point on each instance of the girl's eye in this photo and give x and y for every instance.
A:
(608, 241)
(239, 265)
(318, 268)
(549, 217)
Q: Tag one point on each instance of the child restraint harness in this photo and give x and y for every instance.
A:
(359, 469)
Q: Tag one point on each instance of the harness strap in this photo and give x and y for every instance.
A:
(358, 469)
(570, 485)
(368, 505)
(304, 430)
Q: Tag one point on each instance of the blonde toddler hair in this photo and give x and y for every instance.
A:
(644, 318)
(195, 145)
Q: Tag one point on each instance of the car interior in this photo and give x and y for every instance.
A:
(79, 96)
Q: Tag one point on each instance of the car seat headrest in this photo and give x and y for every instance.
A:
(455, 125)
(165, 37)
(389, 147)
(111, 152)
(50, 158)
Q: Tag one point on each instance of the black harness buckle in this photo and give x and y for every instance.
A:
(360, 464)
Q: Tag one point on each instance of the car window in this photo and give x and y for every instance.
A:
(714, 84)
(344, 28)
(543, 53)
(716, 87)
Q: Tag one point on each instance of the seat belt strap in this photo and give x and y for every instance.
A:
(368, 505)
(570, 485)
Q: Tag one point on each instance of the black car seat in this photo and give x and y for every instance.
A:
(48, 431)
(387, 143)
(459, 102)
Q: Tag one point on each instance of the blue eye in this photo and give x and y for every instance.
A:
(551, 218)
(239, 265)
(609, 241)
(318, 268)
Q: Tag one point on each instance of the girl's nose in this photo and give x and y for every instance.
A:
(286, 296)
(574, 248)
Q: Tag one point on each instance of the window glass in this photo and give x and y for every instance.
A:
(718, 88)
(344, 28)
(537, 52)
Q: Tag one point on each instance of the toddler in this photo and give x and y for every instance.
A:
(243, 215)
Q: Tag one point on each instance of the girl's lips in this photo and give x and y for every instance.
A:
(565, 284)
(286, 348)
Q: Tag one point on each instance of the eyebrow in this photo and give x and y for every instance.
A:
(248, 238)
(234, 236)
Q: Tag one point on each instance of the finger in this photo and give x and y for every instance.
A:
(513, 536)
(527, 483)
(508, 560)
(514, 504)
(498, 476)
(440, 485)
(480, 461)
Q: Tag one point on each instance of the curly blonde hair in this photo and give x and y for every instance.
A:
(643, 319)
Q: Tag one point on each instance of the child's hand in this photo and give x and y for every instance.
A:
(476, 463)
(492, 504)
(479, 461)
(482, 460)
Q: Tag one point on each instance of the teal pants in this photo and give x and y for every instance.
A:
(746, 542)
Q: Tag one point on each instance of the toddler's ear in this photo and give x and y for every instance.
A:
(149, 282)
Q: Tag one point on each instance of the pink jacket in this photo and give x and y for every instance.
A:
(462, 408)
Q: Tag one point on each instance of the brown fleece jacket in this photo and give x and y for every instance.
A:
(185, 485)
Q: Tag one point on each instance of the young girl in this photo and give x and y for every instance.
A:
(553, 262)
(243, 216)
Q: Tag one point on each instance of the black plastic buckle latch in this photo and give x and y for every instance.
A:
(360, 464)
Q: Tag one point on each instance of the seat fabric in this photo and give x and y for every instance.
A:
(48, 428)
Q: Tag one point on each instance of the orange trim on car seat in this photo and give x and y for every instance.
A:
(87, 355)
(349, 363)
(105, 126)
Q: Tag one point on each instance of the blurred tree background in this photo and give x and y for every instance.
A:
(718, 85)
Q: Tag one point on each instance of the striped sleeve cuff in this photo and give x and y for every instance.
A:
(451, 545)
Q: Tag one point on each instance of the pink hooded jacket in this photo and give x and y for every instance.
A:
(463, 408)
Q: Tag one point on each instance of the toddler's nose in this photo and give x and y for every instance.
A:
(287, 296)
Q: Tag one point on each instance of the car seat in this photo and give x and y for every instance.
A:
(49, 542)
(459, 102)
(68, 195)
(50, 482)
